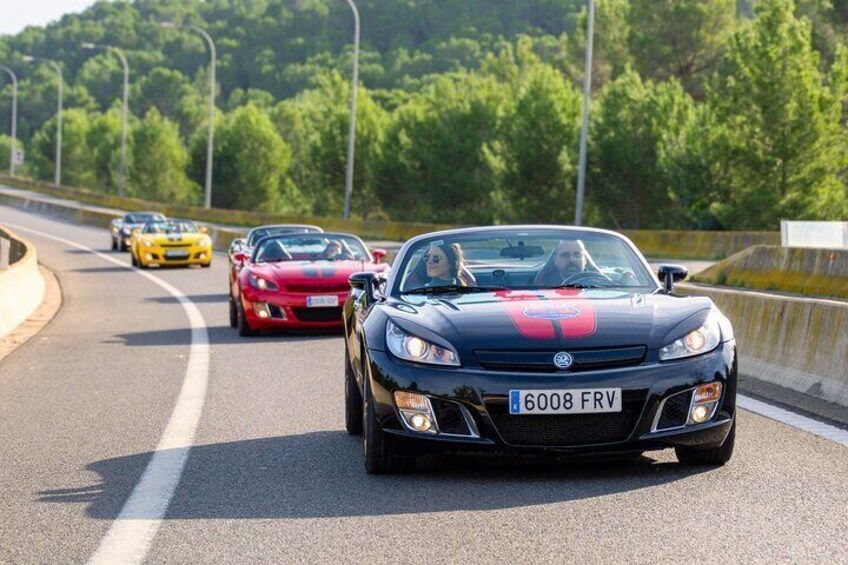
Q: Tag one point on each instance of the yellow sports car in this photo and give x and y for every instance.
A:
(170, 242)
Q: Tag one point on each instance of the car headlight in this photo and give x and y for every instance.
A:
(703, 340)
(262, 283)
(413, 348)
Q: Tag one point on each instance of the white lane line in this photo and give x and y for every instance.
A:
(131, 534)
(792, 419)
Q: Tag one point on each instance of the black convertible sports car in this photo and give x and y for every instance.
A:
(534, 340)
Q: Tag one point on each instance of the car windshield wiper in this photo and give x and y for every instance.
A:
(453, 289)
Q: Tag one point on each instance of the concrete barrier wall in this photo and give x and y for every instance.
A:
(21, 285)
(706, 245)
(795, 342)
(818, 272)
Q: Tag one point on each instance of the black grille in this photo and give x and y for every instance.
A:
(675, 411)
(543, 361)
(555, 430)
(449, 417)
(318, 314)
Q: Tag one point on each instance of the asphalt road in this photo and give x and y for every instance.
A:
(272, 476)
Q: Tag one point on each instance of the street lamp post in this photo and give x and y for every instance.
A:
(12, 147)
(584, 132)
(351, 142)
(208, 38)
(58, 69)
(122, 183)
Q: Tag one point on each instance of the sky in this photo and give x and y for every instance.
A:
(19, 14)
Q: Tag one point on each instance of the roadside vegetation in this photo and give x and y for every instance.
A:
(706, 114)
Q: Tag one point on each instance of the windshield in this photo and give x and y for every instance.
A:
(311, 247)
(143, 218)
(514, 259)
(170, 227)
(259, 233)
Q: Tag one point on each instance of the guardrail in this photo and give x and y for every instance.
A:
(21, 285)
(679, 244)
(796, 342)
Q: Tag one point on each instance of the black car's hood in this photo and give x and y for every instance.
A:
(516, 320)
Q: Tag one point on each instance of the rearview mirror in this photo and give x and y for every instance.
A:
(522, 251)
(670, 274)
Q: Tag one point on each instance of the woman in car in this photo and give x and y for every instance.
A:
(441, 265)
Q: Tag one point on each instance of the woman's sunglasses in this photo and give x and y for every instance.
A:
(435, 259)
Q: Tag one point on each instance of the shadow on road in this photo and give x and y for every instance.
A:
(219, 335)
(320, 474)
(115, 269)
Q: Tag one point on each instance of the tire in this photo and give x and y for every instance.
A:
(353, 400)
(711, 456)
(132, 260)
(122, 247)
(114, 245)
(206, 265)
(377, 454)
(244, 329)
(233, 313)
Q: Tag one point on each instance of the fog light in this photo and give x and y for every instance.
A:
(203, 255)
(148, 257)
(416, 412)
(261, 310)
(700, 414)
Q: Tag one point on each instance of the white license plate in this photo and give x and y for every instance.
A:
(322, 301)
(569, 401)
(176, 254)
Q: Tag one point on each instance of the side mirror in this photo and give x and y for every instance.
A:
(204, 229)
(363, 282)
(379, 255)
(240, 257)
(670, 274)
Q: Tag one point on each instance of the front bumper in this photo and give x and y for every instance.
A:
(196, 255)
(484, 395)
(290, 310)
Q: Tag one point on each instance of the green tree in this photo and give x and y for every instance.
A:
(77, 161)
(158, 162)
(104, 143)
(679, 38)
(631, 125)
(538, 150)
(250, 164)
(782, 137)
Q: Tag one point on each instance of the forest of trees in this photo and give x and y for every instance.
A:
(706, 114)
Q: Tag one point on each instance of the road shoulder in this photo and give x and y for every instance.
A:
(39, 319)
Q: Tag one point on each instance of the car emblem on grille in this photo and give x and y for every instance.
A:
(563, 360)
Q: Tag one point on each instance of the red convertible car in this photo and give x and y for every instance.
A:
(300, 281)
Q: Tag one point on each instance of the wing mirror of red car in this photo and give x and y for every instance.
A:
(379, 255)
(240, 256)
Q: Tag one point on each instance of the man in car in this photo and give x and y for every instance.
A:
(568, 259)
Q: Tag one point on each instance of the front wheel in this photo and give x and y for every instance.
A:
(244, 329)
(132, 260)
(353, 400)
(378, 456)
(114, 245)
(711, 456)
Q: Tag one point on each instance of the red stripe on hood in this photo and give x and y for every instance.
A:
(534, 313)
